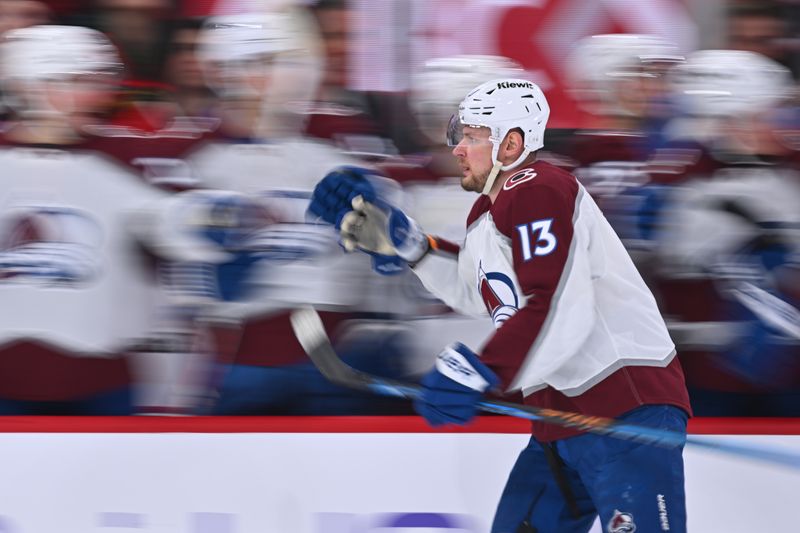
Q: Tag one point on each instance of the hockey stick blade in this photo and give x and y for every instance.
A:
(310, 332)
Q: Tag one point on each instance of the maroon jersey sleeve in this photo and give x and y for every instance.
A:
(537, 217)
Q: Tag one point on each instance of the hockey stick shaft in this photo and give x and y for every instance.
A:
(312, 336)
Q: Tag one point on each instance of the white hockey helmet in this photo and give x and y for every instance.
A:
(32, 56)
(598, 63)
(440, 85)
(282, 47)
(233, 47)
(57, 52)
(502, 105)
(727, 83)
(245, 37)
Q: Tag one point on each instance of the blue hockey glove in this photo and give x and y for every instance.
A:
(347, 199)
(452, 390)
(333, 196)
(332, 200)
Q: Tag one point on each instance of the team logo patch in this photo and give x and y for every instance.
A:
(498, 294)
(49, 245)
(621, 523)
(520, 177)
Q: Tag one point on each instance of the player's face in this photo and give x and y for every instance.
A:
(474, 153)
(82, 97)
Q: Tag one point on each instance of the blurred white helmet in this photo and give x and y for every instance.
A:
(32, 56)
(502, 105)
(281, 46)
(245, 37)
(726, 83)
(236, 47)
(438, 88)
(57, 52)
(598, 64)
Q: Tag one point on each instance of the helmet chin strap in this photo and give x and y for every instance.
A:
(498, 166)
(490, 179)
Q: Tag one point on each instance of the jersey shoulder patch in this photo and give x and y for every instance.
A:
(539, 189)
(539, 173)
(519, 178)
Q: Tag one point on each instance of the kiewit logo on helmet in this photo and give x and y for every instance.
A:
(514, 84)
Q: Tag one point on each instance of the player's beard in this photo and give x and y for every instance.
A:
(474, 182)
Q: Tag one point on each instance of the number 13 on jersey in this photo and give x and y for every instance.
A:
(536, 238)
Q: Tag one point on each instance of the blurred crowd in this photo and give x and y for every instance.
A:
(156, 160)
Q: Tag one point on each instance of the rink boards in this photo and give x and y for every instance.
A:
(326, 475)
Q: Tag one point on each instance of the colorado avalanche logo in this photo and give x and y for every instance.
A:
(49, 245)
(621, 523)
(499, 295)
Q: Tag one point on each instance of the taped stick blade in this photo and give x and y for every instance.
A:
(308, 328)
(311, 334)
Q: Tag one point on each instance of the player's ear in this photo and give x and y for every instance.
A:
(513, 144)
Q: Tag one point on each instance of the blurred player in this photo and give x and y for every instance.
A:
(78, 291)
(577, 329)
(619, 80)
(730, 287)
(265, 68)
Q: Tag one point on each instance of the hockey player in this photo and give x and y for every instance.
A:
(730, 289)
(576, 328)
(77, 291)
(265, 69)
(620, 80)
(435, 197)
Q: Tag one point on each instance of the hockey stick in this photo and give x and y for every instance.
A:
(310, 332)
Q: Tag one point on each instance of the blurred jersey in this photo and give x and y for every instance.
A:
(158, 156)
(722, 240)
(73, 280)
(292, 261)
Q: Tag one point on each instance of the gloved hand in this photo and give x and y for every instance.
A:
(452, 390)
(377, 227)
(347, 199)
(333, 196)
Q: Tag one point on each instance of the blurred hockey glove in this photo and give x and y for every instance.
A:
(452, 390)
(347, 199)
(333, 196)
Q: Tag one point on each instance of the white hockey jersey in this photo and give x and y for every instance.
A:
(282, 174)
(569, 306)
(302, 262)
(71, 275)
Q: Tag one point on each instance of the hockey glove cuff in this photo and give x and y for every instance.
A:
(452, 390)
(382, 229)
